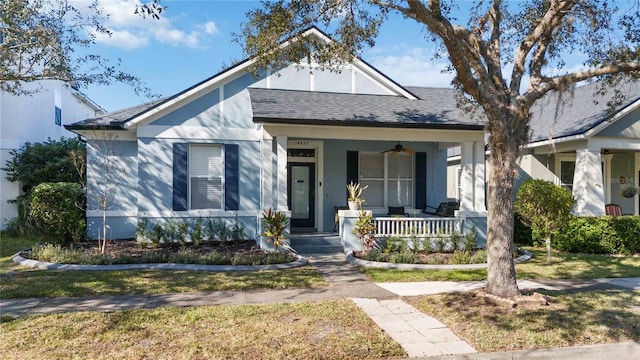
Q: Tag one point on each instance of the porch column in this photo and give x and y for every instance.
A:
(588, 183)
(472, 179)
(281, 163)
(466, 177)
(479, 176)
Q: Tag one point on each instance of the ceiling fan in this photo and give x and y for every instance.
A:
(399, 149)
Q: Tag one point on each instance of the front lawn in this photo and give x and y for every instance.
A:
(564, 266)
(572, 319)
(19, 282)
(311, 330)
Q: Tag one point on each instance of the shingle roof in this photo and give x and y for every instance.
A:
(575, 114)
(114, 120)
(436, 108)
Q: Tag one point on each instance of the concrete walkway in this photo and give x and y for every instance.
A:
(419, 334)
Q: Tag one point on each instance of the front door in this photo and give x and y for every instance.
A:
(301, 196)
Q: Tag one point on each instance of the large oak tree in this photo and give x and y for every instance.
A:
(504, 56)
(52, 40)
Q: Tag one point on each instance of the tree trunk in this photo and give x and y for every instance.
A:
(548, 248)
(501, 276)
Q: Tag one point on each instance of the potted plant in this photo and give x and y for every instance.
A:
(355, 199)
(628, 190)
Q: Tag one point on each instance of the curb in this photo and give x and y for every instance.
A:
(301, 261)
(351, 259)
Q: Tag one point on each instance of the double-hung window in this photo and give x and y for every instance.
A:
(205, 176)
(389, 178)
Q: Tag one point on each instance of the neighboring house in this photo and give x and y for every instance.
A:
(238, 143)
(35, 118)
(576, 142)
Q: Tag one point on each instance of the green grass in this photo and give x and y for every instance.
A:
(310, 330)
(19, 282)
(571, 319)
(563, 266)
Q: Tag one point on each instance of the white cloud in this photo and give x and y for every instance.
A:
(415, 66)
(130, 31)
(122, 39)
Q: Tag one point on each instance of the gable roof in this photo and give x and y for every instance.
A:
(436, 110)
(575, 115)
(130, 117)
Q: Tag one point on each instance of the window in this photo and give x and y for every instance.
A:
(58, 116)
(389, 178)
(205, 176)
(567, 169)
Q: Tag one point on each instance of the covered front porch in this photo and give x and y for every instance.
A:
(313, 164)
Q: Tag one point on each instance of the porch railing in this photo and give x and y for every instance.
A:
(419, 227)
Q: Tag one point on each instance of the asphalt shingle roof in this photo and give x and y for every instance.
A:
(115, 119)
(574, 114)
(436, 108)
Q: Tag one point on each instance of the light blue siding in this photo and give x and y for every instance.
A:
(628, 126)
(204, 111)
(328, 81)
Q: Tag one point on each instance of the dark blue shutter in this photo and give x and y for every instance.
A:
(352, 166)
(180, 176)
(421, 180)
(231, 177)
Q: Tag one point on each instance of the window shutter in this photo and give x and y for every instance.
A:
(352, 167)
(180, 176)
(231, 177)
(421, 180)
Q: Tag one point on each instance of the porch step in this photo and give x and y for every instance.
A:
(328, 243)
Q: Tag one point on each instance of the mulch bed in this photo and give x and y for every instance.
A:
(131, 247)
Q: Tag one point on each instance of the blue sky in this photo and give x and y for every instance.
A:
(193, 41)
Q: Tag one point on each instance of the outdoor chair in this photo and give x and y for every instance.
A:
(397, 211)
(446, 209)
(613, 210)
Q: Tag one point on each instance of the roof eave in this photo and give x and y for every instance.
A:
(359, 123)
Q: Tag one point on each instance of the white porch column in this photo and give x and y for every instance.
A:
(282, 172)
(588, 184)
(266, 187)
(466, 177)
(472, 179)
(479, 176)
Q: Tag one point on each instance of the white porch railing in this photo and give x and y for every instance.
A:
(419, 227)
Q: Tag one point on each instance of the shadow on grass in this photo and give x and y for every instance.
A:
(572, 318)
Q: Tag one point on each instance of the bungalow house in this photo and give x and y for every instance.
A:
(578, 143)
(291, 139)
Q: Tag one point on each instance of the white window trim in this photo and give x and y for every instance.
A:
(606, 160)
(385, 180)
(222, 192)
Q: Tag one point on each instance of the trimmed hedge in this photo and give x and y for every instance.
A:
(57, 208)
(599, 235)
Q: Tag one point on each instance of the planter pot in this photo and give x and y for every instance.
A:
(353, 205)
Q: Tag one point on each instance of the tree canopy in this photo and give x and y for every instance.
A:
(504, 56)
(52, 39)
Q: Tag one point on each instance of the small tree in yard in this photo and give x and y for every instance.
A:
(544, 207)
(107, 169)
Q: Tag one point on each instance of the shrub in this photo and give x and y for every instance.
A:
(403, 258)
(600, 235)
(545, 207)
(275, 225)
(57, 207)
(479, 257)
(460, 257)
(365, 229)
